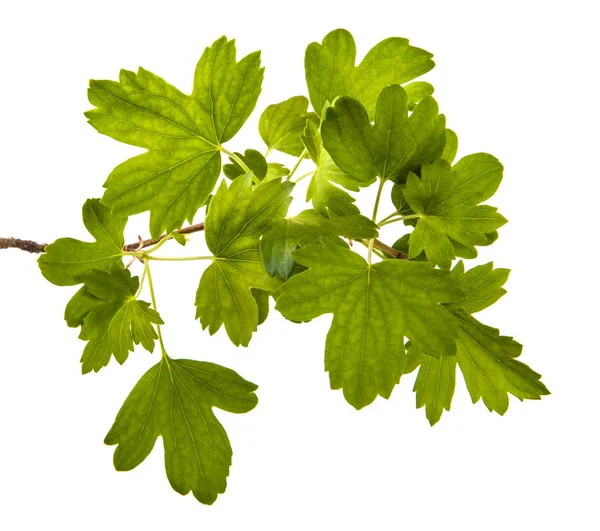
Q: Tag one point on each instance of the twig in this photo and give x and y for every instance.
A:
(24, 245)
(33, 247)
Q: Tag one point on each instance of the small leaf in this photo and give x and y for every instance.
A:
(435, 385)
(448, 204)
(326, 197)
(282, 124)
(67, 259)
(277, 245)
(111, 318)
(482, 286)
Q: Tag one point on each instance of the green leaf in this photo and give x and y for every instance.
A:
(482, 286)
(435, 385)
(391, 148)
(238, 217)
(111, 318)
(451, 146)
(282, 124)
(67, 259)
(326, 197)
(175, 400)
(253, 159)
(331, 71)
(487, 361)
(416, 91)
(448, 204)
(374, 308)
(278, 244)
(262, 301)
(275, 171)
(182, 133)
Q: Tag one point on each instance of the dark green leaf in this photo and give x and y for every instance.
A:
(67, 259)
(326, 197)
(175, 400)
(395, 145)
(278, 244)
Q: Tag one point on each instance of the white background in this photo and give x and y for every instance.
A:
(517, 79)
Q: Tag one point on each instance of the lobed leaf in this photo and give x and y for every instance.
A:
(111, 318)
(175, 400)
(278, 244)
(238, 217)
(375, 307)
(182, 134)
(67, 259)
(396, 144)
(331, 71)
(447, 202)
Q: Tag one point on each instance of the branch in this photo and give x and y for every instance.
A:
(378, 244)
(147, 243)
(24, 245)
(33, 247)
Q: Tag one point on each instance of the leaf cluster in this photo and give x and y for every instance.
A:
(396, 308)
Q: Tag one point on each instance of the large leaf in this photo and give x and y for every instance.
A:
(375, 307)
(237, 218)
(390, 148)
(331, 71)
(182, 133)
(175, 400)
(67, 259)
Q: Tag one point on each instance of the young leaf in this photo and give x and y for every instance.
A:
(326, 197)
(182, 134)
(175, 400)
(374, 308)
(448, 205)
(237, 219)
(253, 159)
(416, 91)
(482, 286)
(435, 385)
(487, 361)
(67, 259)
(395, 145)
(282, 124)
(111, 318)
(331, 71)
(278, 244)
